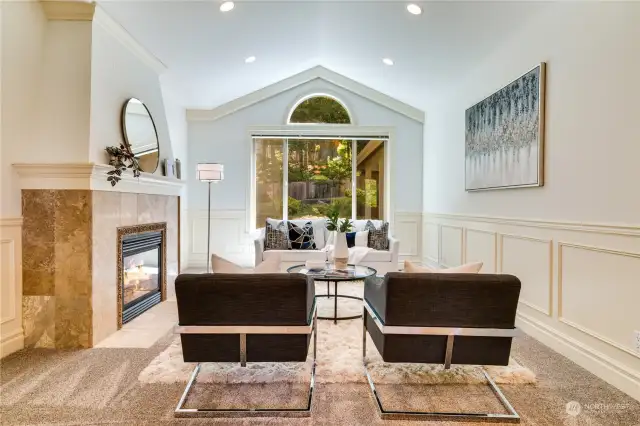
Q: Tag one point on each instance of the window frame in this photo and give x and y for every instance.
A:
(309, 131)
(298, 102)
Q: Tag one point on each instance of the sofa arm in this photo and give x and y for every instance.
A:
(394, 248)
(259, 250)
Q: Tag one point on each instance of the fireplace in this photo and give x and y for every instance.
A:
(142, 269)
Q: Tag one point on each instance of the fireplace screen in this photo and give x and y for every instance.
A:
(141, 273)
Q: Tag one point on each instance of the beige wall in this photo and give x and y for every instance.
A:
(574, 243)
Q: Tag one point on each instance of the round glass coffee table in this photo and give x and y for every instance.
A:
(331, 274)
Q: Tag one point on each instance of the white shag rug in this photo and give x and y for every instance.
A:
(339, 359)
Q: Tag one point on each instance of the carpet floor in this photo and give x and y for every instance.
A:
(100, 386)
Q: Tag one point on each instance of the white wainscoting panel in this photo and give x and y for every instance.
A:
(229, 237)
(482, 246)
(580, 282)
(408, 229)
(451, 248)
(531, 260)
(589, 292)
(431, 242)
(11, 332)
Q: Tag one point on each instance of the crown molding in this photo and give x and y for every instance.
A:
(91, 176)
(68, 10)
(318, 72)
(118, 32)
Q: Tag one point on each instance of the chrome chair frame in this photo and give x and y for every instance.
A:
(451, 333)
(180, 411)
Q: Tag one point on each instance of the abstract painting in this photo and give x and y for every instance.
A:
(504, 136)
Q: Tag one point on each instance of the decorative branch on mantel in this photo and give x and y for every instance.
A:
(121, 159)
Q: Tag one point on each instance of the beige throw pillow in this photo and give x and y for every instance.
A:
(468, 268)
(412, 268)
(220, 265)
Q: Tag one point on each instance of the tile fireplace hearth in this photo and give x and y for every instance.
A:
(141, 269)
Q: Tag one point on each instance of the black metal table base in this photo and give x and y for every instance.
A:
(335, 318)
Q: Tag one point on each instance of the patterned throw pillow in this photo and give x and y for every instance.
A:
(378, 237)
(301, 238)
(276, 237)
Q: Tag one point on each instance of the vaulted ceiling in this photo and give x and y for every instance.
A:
(205, 49)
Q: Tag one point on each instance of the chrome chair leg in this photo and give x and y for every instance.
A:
(180, 411)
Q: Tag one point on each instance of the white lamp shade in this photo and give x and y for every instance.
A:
(210, 172)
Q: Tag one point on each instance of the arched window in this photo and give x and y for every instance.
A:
(320, 109)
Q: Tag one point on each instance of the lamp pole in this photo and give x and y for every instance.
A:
(209, 172)
(209, 228)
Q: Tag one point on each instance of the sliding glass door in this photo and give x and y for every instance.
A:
(305, 177)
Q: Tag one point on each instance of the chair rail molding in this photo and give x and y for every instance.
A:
(599, 228)
(569, 299)
(94, 177)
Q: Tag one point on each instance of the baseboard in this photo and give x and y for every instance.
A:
(586, 357)
(12, 342)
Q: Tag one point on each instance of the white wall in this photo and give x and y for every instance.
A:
(177, 122)
(227, 141)
(65, 96)
(117, 75)
(574, 243)
(22, 27)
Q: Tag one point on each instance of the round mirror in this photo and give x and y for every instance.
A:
(140, 134)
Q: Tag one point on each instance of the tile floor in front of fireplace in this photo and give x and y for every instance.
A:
(145, 330)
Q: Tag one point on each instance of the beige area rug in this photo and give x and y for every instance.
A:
(339, 359)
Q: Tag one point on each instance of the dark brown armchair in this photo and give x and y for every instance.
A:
(442, 319)
(245, 318)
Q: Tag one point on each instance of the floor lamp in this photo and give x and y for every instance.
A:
(209, 172)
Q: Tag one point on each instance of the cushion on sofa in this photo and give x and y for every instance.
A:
(301, 236)
(378, 236)
(468, 268)
(357, 239)
(300, 256)
(319, 229)
(276, 235)
(221, 265)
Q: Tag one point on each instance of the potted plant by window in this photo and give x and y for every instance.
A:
(340, 229)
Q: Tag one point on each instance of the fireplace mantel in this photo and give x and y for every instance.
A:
(92, 176)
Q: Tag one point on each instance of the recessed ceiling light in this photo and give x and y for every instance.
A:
(414, 9)
(250, 59)
(387, 61)
(227, 6)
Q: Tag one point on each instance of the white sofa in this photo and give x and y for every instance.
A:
(382, 261)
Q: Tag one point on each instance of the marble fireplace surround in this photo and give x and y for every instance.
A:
(70, 278)
(133, 230)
